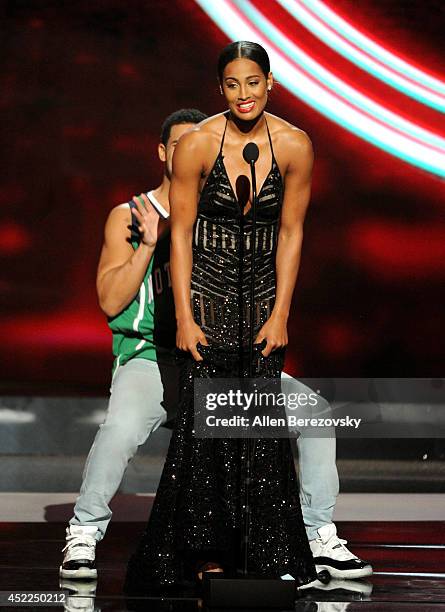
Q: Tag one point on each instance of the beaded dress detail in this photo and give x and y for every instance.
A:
(197, 515)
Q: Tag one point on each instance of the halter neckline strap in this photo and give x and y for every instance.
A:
(268, 135)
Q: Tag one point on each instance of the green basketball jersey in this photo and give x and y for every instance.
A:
(148, 322)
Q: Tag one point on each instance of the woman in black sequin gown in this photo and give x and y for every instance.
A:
(197, 515)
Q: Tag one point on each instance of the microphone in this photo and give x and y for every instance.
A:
(251, 153)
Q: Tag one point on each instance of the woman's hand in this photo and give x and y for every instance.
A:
(274, 331)
(188, 335)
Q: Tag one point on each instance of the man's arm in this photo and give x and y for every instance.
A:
(122, 269)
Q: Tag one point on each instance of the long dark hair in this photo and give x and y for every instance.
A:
(247, 49)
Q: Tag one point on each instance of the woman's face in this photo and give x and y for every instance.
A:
(245, 88)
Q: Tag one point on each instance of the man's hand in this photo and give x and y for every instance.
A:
(148, 220)
(274, 331)
(187, 337)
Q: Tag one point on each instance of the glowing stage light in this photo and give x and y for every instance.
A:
(228, 16)
(339, 87)
(357, 48)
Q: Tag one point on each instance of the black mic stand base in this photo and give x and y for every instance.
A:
(248, 592)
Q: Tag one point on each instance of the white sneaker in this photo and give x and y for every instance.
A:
(80, 553)
(80, 596)
(331, 554)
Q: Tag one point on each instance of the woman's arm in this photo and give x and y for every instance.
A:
(184, 191)
(297, 189)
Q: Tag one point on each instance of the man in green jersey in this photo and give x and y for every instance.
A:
(134, 289)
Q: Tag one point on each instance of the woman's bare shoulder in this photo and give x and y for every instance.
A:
(204, 133)
(201, 142)
(286, 135)
(214, 123)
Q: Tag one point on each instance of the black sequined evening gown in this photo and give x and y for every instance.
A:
(197, 514)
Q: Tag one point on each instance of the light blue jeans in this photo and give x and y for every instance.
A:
(136, 409)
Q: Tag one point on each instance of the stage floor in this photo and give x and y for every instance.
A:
(408, 560)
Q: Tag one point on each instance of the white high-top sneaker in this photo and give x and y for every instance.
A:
(79, 560)
(331, 554)
(80, 595)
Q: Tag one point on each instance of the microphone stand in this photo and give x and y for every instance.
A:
(247, 443)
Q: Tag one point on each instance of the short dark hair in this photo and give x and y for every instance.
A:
(247, 49)
(184, 115)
